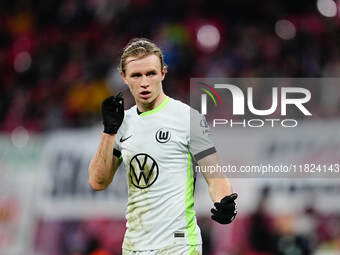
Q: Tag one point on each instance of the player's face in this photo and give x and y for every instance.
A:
(144, 77)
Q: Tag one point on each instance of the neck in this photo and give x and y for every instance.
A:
(152, 105)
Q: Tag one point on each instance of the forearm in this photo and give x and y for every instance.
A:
(219, 186)
(101, 168)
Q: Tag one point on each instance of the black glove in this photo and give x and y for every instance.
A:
(113, 113)
(225, 210)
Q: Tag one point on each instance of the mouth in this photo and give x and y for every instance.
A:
(145, 94)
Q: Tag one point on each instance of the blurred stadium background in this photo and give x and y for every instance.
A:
(58, 61)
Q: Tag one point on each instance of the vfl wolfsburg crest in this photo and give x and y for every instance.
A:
(163, 135)
(143, 170)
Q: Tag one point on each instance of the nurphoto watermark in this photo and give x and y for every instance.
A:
(269, 127)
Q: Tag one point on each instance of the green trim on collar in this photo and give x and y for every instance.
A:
(157, 109)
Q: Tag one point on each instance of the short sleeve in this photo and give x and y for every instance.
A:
(200, 144)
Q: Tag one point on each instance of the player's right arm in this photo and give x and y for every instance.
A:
(104, 164)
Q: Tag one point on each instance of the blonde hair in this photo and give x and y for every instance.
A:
(140, 47)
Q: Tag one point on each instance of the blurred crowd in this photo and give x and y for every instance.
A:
(58, 59)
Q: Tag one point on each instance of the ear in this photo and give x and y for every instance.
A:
(124, 77)
(164, 71)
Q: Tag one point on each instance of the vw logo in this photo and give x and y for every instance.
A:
(163, 135)
(143, 170)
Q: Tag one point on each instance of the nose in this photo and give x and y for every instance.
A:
(144, 82)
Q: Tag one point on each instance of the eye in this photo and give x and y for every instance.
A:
(151, 73)
(136, 75)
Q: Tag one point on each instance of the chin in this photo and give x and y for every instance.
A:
(148, 100)
(144, 101)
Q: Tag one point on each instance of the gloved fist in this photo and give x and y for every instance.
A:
(113, 113)
(225, 211)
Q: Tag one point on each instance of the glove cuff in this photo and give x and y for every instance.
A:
(110, 130)
(229, 198)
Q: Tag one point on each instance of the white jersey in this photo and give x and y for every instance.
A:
(157, 150)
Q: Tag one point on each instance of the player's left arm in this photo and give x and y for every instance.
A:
(219, 186)
(220, 191)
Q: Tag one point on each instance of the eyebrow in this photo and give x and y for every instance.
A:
(150, 71)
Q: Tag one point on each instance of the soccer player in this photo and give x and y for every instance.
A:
(157, 146)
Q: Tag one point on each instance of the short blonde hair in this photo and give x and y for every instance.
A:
(140, 47)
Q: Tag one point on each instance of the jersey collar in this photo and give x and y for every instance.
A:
(157, 109)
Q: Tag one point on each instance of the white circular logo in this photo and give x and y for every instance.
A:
(163, 135)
